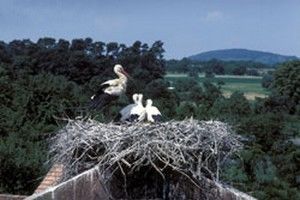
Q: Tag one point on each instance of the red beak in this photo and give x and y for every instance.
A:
(126, 74)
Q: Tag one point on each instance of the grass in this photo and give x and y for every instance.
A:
(179, 75)
(249, 85)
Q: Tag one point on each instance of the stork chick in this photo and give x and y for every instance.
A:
(124, 114)
(138, 112)
(152, 112)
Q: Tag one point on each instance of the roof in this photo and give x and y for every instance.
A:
(52, 178)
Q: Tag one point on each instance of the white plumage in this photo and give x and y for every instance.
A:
(152, 112)
(138, 112)
(124, 114)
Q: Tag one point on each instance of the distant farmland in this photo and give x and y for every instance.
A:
(249, 85)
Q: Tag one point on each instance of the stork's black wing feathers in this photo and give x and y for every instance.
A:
(133, 118)
(118, 117)
(101, 89)
(157, 118)
(97, 96)
(100, 100)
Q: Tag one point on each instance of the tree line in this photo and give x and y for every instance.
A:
(217, 67)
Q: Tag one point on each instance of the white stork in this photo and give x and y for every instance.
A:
(124, 114)
(138, 112)
(152, 112)
(110, 90)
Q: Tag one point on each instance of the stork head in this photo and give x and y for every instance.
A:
(118, 69)
(149, 102)
(135, 98)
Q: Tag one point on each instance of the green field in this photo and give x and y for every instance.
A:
(249, 85)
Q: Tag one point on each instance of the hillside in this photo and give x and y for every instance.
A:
(242, 54)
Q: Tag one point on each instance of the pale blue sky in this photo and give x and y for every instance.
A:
(186, 27)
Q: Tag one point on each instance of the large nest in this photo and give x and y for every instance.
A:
(190, 147)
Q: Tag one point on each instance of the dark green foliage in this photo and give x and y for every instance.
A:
(211, 93)
(275, 103)
(186, 110)
(234, 107)
(166, 100)
(196, 95)
(27, 119)
(252, 72)
(180, 66)
(193, 72)
(209, 74)
(239, 105)
(268, 166)
(267, 80)
(215, 66)
(185, 85)
(21, 163)
(265, 127)
(287, 80)
(239, 71)
(220, 83)
(218, 68)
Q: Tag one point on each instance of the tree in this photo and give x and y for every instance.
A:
(193, 72)
(112, 48)
(230, 109)
(239, 70)
(185, 85)
(78, 45)
(46, 42)
(211, 93)
(27, 120)
(239, 104)
(274, 103)
(165, 99)
(267, 81)
(287, 80)
(252, 72)
(209, 74)
(63, 45)
(196, 94)
(186, 110)
(4, 54)
(218, 68)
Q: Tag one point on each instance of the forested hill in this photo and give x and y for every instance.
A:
(242, 55)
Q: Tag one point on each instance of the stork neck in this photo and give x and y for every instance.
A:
(148, 105)
(122, 78)
(120, 75)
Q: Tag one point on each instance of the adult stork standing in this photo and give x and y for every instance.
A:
(124, 114)
(138, 112)
(152, 112)
(110, 90)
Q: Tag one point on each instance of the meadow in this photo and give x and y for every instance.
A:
(249, 85)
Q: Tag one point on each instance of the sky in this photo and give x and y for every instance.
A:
(186, 27)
